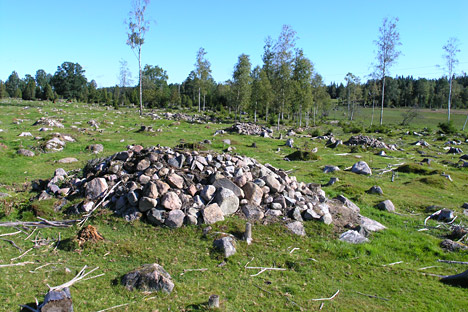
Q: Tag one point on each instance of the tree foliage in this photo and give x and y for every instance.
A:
(69, 81)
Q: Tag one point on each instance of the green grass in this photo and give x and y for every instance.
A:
(321, 266)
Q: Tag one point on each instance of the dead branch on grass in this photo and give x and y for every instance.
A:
(452, 262)
(327, 299)
(80, 276)
(12, 243)
(15, 264)
(262, 269)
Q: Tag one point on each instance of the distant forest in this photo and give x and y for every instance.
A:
(286, 86)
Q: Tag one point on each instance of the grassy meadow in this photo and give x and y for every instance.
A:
(395, 271)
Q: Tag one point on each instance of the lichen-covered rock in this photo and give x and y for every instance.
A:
(149, 277)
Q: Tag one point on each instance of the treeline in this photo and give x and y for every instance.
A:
(401, 92)
(284, 87)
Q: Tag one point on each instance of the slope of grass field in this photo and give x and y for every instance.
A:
(393, 272)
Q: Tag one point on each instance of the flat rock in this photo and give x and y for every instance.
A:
(228, 184)
(68, 160)
(156, 216)
(371, 225)
(175, 180)
(273, 183)
(95, 148)
(330, 168)
(149, 277)
(348, 203)
(25, 152)
(147, 203)
(297, 228)
(353, 237)
(375, 190)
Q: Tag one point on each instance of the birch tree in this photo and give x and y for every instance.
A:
(137, 28)
(450, 55)
(387, 52)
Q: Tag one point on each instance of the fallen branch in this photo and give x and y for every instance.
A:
(191, 270)
(452, 262)
(392, 264)
(86, 216)
(10, 234)
(262, 269)
(31, 233)
(326, 299)
(23, 254)
(12, 242)
(432, 215)
(372, 296)
(40, 267)
(15, 264)
(40, 224)
(429, 267)
(77, 278)
(117, 306)
(292, 250)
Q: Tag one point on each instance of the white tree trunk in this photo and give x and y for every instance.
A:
(383, 98)
(139, 78)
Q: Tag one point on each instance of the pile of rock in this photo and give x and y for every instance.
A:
(57, 142)
(182, 117)
(173, 188)
(49, 122)
(362, 140)
(249, 128)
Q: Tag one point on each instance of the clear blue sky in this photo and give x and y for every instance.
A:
(337, 36)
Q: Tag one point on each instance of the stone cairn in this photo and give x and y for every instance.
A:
(175, 187)
(368, 141)
(248, 128)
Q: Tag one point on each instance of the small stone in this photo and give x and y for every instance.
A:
(25, 152)
(253, 193)
(252, 212)
(386, 205)
(329, 169)
(353, 237)
(156, 216)
(226, 245)
(95, 148)
(208, 192)
(273, 183)
(175, 180)
(375, 190)
(162, 187)
(143, 165)
(68, 160)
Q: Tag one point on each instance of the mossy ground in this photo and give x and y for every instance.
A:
(320, 266)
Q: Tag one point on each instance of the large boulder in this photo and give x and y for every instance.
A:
(228, 184)
(361, 167)
(149, 277)
(227, 201)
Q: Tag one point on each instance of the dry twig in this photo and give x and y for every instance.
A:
(12, 243)
(392, 264)
(23, 254)
(262, 269)
(452, 262)
(15, 264)
(327, 299)
(10, 234)
(80, 276)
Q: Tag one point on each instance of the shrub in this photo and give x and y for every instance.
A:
(351, 127)
(447, 127)
(303, 155)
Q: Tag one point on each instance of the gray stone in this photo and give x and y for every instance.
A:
(375, 190)
(227, 201)
(60, 172)
(175, 219)
(228, 184)
(444, 215)
(346, 202)
(163, 187)
(226, 245)
(330, 168)
(273, 213)
(386, 205)
(290, 143)
(25, 152)
(326, 218)
(171, 201)
(353, 237)
(253, 193)
(332, 181)
(156, 216)
(96, 188)
(212, 214)
(68, 160)
(147, 203)
(151, 190)
(207, 192)
(295, 214)
(95, 148)
(296, 227)
(149, 277)
(361, 167)
(310, 214)
(133, 198)
(190, 220)
(252, 212)
(371, 225)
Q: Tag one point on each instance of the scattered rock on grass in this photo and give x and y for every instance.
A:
(149, 277)
(353, 237)
(226, 245)
(25, 152)
(386, 205)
